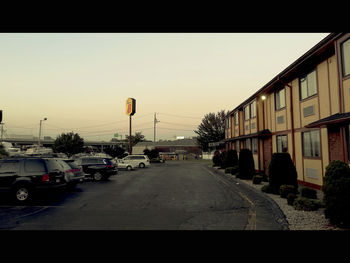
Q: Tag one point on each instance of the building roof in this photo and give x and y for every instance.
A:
(333, 119)
(324, 48)
(182, 142)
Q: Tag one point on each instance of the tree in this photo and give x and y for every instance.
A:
(115, 152)
(69, 143)
(3, 152)
(138, 137)
(212, 129)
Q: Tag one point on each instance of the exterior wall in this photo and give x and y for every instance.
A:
(333, 93)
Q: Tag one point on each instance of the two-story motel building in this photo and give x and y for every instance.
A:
(304, 110)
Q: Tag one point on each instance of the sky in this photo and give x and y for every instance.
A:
(80, 81)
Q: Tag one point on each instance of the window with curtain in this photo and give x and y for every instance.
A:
(311, 144)
(308, 85)
(345, 53)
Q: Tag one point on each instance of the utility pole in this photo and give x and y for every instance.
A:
(155, 122)
(2, 131)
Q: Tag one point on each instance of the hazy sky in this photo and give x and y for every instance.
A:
(80, 82)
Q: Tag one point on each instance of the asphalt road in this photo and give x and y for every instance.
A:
(177, 195)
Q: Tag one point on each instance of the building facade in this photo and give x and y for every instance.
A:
(304, 110)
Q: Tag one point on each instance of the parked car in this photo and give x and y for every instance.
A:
(124, 165)
(97, 168)
(22, 176)
(138, 160)
(74, 174)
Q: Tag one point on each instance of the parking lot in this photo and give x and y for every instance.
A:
(165, 196)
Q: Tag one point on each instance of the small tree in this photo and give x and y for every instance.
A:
(246, 164)
(69, 143)
(282, 172)
(337, 193)
(3, 152)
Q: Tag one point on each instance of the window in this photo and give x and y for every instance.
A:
(246, 112)
(237, 146)
(9, 167)
(236, 118)
(228, 126)
(280, 99)
(345, 53)
(308, 85)
(281, 142)
(311, 144)
(35, 166)
(255, 145)
(248, 144)
(253, 109)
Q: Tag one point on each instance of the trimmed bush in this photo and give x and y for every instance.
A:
(257, 179)
(308, 193)
(217, 159)
(286, 189)
(290, 198)
(306, 204)
(282, 171)
(246, 164)
(230, 159)
(337, 193)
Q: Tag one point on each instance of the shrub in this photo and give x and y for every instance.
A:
(246, 164)
(228, 170)
(290, 198)
(306, 204)
(282, 171)
(257, 179)
(286, 189)
(337, 193)
(308, 193)
(235, 170)
(155, 160)
(266, 189)
(263, 175)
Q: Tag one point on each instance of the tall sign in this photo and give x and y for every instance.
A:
(130, 106)
(130, 110)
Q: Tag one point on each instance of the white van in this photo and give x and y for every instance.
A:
(138, 160)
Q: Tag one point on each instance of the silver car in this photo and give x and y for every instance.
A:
(124, 165)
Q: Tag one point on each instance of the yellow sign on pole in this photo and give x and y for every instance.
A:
(130, 106)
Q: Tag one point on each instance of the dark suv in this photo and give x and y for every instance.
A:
(23, 176)
(97, 167)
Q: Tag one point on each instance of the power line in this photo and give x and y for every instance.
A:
(181, 116)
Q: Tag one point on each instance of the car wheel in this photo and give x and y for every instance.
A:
(22, 193)
(128, 168)
(97, 176)
(142, 165)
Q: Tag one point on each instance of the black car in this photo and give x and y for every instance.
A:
(97, 168)
(22, 177)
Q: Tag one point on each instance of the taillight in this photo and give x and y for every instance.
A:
(109, 166)
(45, 178)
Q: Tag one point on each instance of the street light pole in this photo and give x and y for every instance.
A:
(40, 132)
(155, 122)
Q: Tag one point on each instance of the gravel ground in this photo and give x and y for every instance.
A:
(298, 220)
